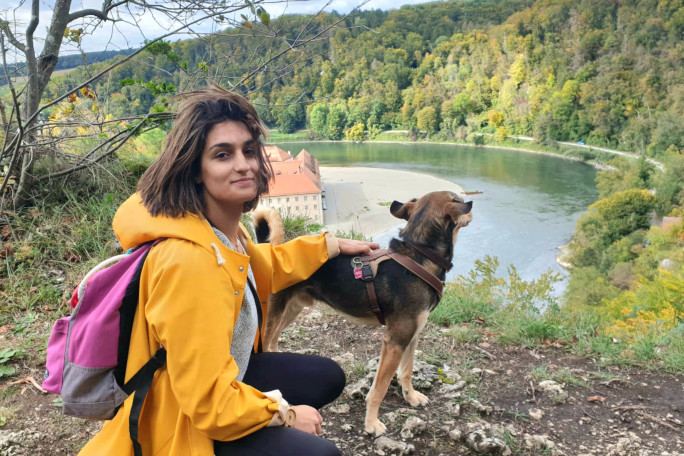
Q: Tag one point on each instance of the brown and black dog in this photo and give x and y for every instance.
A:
(405, 299)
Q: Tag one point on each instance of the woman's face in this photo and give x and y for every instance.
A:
(229, 166)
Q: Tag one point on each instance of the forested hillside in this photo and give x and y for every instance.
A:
(66, 62)
(609, 73)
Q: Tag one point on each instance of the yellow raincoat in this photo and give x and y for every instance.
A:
(191, 292)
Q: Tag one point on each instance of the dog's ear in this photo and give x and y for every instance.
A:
(457, 209)
(401, 210)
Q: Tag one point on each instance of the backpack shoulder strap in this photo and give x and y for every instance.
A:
(140, 383)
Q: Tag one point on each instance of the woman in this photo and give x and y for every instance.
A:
(215, 395)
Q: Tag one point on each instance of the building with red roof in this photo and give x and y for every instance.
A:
(297, 190)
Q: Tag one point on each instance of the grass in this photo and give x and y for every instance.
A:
(55, 241)
(515, 312)
(276, 137)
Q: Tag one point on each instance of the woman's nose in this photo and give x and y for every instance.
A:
(241, 161)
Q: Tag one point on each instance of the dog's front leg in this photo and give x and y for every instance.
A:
(412, 396)
(390, 356)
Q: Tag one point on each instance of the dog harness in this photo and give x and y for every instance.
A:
(366, 268)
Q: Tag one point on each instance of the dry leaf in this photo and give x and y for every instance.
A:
(71, 257)
(6, 251)
(600, 399)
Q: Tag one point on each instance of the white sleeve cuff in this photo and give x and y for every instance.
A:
(279, 417)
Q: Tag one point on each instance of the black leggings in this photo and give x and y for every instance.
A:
(303, 380)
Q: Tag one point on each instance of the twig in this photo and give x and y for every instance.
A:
(30, 380)
(588, 414)
(659, 421)
(534, 398)
(484, 352)
(632, 407)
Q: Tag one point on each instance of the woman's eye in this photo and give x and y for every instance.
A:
(250, 152)
(222, 155)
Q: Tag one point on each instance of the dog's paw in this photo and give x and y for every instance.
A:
(376, 427)
(416, 399)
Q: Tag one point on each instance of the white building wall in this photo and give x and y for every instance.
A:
(307, 205)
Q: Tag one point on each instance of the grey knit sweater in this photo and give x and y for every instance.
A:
(246, 326)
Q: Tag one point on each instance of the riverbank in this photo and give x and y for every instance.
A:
(567, 153)
(358, 199)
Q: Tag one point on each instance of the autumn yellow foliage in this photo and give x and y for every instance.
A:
(653, 307)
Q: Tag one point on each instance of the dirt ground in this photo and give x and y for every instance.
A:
(598, 410)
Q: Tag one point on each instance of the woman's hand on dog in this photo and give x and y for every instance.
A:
(308, 419)
(354, 247)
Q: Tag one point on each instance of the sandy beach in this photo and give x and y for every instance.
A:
(358, 198)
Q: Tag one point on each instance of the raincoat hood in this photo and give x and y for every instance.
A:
(134, 225)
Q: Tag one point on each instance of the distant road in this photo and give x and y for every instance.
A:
(657, 164)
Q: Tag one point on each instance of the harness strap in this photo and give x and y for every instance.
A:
(432, 256)
(370, 288)
(367, 261)
(375, 255)
(418, 270)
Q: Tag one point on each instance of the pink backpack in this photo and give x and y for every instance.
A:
(87, 351)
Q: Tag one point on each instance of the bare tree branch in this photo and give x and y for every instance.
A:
(4, 27)
(88, 12)
(118, 142)
(126, 59)
(35, 18)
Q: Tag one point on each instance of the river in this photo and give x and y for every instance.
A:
(529, 205)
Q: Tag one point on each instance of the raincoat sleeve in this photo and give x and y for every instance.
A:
(191, 310)
(279, 266)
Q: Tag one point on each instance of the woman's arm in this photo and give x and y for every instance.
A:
(191, 310)
(280, 266)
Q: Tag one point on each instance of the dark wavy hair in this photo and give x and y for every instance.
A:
(170, 186)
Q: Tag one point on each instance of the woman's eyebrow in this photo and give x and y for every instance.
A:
(228, 145)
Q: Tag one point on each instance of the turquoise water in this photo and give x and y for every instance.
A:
(529, 206)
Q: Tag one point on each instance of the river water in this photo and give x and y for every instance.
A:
(529, 205)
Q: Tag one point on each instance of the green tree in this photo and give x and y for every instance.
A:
(318, 119)
(625, 212)
(427, 119)
(461, 107)
(337, 121)
(290, 118)
(670, 185)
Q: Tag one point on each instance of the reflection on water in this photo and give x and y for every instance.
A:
(529, 206)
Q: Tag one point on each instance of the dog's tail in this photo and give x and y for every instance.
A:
(268, 226)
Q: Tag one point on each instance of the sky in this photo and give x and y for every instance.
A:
(124, 35)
